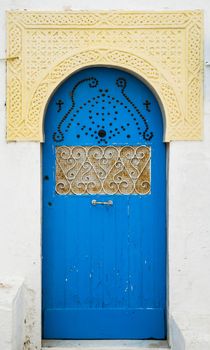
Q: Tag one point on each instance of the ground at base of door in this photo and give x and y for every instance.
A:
(104, 345)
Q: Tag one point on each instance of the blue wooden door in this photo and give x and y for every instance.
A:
(104, 220)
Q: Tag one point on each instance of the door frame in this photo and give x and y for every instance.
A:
(167, 145)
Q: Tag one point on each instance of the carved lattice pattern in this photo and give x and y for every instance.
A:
(164, 48)
(102, 170)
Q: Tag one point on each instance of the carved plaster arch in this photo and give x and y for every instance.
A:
(162, 48)
(151, 75)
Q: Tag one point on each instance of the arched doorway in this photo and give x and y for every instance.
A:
(104, 220)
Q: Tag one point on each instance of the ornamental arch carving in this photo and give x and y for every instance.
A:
(136, 66)
(162, 48)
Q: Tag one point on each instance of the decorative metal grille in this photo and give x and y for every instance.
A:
(102, 170)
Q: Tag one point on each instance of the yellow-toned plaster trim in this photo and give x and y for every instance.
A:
(165, 49)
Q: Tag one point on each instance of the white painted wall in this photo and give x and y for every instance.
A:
(189, 195)
(12, 310)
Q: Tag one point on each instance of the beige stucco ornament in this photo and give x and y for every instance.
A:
(165, 49)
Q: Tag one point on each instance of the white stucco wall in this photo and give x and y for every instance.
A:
(188, 193)
(12, 312)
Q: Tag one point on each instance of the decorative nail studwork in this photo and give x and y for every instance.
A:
(99, 109)
(59, 103)
(147, 105)
(58, 136)
(121, 83)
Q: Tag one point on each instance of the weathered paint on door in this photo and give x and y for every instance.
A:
(104, 265)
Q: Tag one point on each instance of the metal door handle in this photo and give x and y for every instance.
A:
(94, 202)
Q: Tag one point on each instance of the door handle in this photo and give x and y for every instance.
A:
(94, 202)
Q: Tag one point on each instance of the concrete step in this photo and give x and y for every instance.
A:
(104, 345)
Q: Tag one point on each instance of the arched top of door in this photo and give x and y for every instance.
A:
(159, 82)
(103, 105)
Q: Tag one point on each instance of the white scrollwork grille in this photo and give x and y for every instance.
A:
(103, 170)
